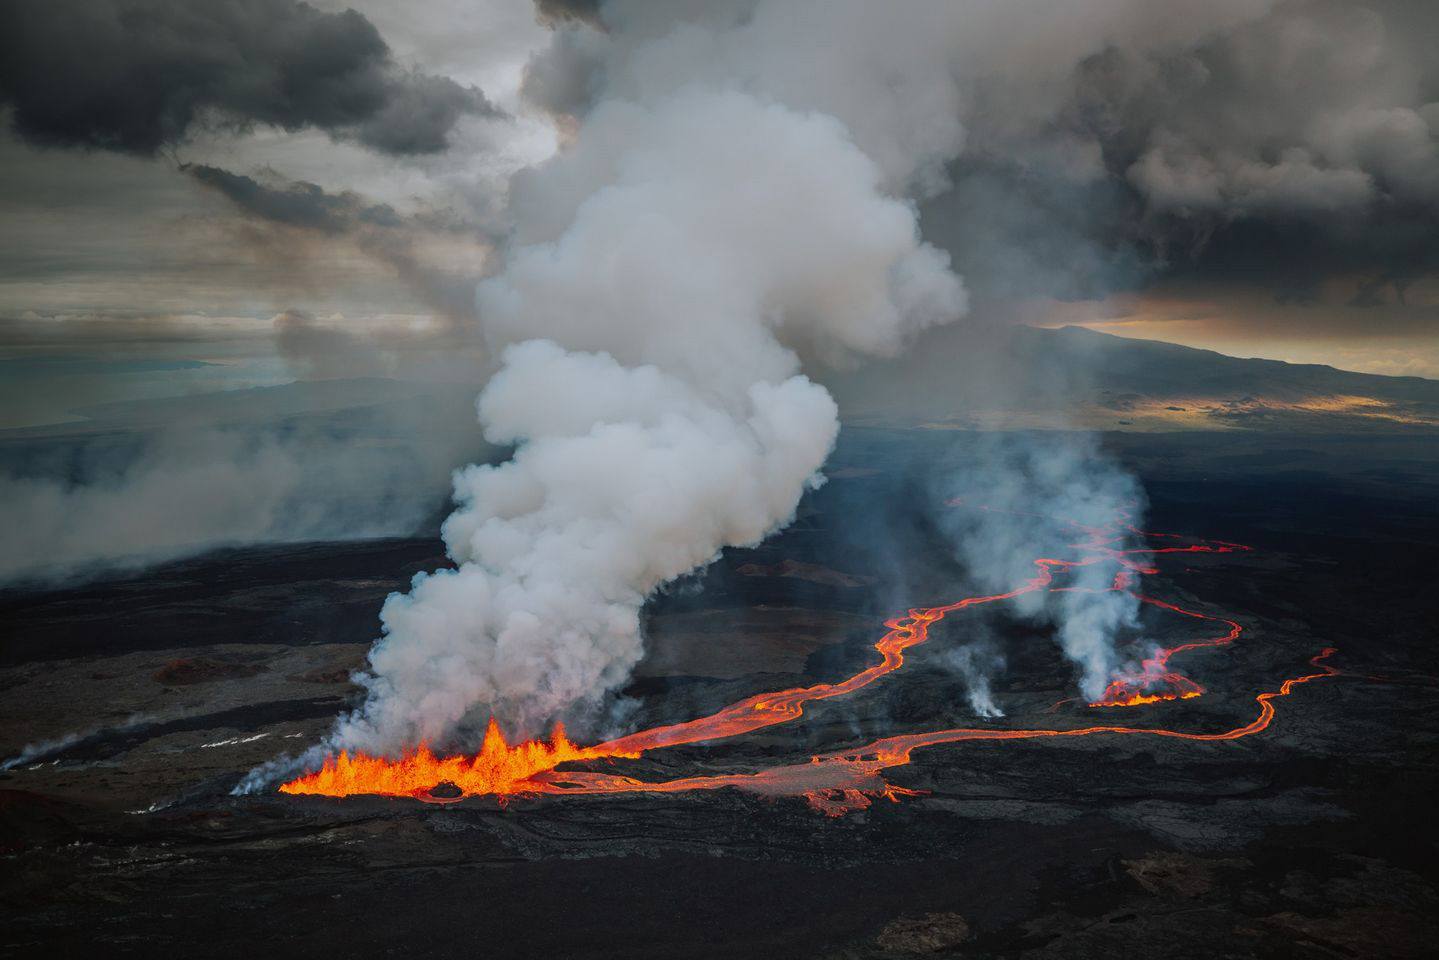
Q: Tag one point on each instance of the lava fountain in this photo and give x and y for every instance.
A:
(498, 768)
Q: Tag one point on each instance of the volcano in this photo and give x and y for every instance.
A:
(831, 753)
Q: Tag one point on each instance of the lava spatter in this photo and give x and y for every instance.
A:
(498, 768)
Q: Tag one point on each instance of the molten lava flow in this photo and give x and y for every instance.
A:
(1153, 681)
(497, 768)
(502, 769)
(835, 782)
(768, 709)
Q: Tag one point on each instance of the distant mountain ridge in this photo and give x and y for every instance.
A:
(1156, 366)
(957, 377)
(1072, 376)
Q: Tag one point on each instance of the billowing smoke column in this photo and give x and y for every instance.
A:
(665, 269)
(737, 191)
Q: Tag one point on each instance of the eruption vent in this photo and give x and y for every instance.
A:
(497, 768)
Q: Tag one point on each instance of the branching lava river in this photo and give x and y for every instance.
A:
(837, 782)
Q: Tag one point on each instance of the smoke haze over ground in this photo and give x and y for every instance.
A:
(347, 452)
(186, 491)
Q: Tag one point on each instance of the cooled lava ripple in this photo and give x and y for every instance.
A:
(833, 783)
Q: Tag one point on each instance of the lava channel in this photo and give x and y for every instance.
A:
(832, 783)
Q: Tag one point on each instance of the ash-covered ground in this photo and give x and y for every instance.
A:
(131, 708)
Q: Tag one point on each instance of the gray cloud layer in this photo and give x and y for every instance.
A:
(376, 228)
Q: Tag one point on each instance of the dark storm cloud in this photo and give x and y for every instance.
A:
(1288, 149)
(137, 76)
(1294, 148)
(295, 203)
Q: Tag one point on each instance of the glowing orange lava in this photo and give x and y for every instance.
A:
(836, 783)
(833, 783)
(498, 768)
(1153, 681)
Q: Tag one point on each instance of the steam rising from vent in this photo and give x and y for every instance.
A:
(975, 664)
(1039, 492)
(667, 268)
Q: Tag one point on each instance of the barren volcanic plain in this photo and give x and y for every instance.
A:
(132, 708)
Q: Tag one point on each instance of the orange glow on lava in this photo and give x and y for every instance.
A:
(498, 768)
(832, 783)
(1121, 699)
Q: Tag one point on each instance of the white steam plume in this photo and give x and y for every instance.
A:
(665, 270)
(1028, 495)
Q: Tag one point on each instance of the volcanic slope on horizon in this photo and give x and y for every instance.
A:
(1065, 377)
(1076, 377)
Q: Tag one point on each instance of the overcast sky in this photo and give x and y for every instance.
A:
(1264, 184)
